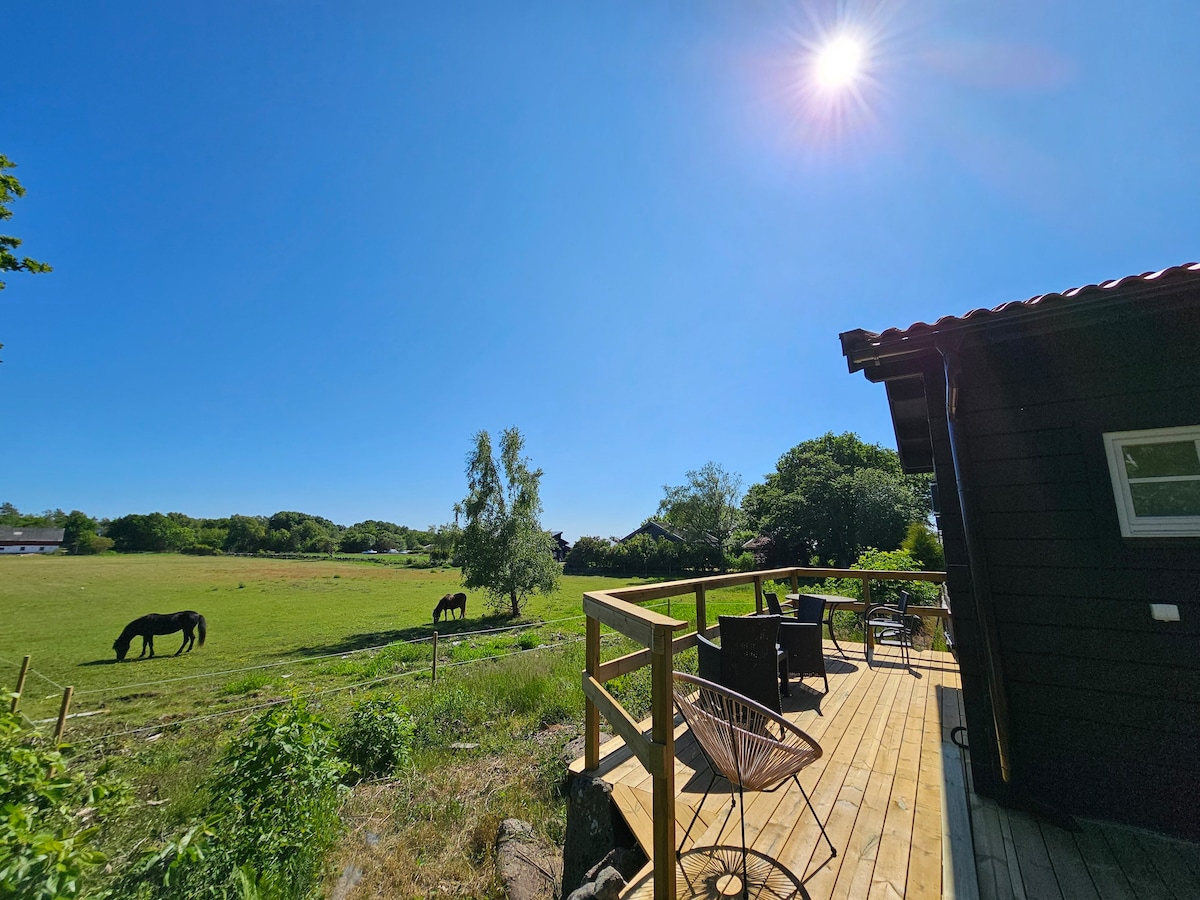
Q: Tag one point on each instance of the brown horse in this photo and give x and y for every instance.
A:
(448, 604)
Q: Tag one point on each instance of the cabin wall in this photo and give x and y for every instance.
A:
(1104, 701)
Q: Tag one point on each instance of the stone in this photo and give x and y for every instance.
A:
(528, 867)
(626, 860)
(590, 830)
(608, 886)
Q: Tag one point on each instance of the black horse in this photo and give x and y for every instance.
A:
(448, 604)
(156, 623)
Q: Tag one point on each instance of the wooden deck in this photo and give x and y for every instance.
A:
(893, 791)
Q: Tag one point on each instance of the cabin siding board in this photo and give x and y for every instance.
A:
(1129, 767)
(1104, 701)
(1135, 678)
(1070, 595)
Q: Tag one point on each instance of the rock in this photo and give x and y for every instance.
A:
(573, 749)
(626, 860)
(608, 886)
(529, 869)
(590, 831)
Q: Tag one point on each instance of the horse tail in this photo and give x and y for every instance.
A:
(203, 631)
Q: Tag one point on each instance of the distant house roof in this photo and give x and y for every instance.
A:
(22, 535)
(757, 543)
(656, 530)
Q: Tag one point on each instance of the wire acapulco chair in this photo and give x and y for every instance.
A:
(752, 747)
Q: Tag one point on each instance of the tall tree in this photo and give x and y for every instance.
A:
(706, 511)
(11, 189)
(832, 497)
(503, 548)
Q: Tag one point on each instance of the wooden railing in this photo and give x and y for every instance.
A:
(619, 610)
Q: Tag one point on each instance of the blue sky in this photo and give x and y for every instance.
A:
(303, 251)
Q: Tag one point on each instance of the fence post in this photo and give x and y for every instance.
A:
(62, 714)
(758, 593)
(434, 678)
(701, 611)
(795, 584)
(591, 715)
(16, 700)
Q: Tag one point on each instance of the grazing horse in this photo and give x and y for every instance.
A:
(156, 623)
(448, 604)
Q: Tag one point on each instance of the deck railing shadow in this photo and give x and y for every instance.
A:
(620, 610)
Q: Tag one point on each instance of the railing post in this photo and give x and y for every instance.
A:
(663, 738)
(701, 610)
(591, 715)
(868, 635)
(758, 593)
(795, 584)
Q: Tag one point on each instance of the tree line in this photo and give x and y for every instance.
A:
(284, 532)
(830, 500)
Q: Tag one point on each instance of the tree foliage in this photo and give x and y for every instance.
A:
(705, 512)
(832, 497)
(10, 190)
(503, 548)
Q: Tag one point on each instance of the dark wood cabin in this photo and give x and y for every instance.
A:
(1064, 435)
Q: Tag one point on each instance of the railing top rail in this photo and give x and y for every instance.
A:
(646, 592)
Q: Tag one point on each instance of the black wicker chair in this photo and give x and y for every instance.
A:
(751, 661)
(773, 606)
(805, 652)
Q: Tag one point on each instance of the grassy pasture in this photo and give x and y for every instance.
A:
(314, 615)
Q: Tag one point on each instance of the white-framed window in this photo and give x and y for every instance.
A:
(1156, 480)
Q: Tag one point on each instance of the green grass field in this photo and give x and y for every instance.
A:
(311, 625)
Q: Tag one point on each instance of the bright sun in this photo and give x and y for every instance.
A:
(839, 63)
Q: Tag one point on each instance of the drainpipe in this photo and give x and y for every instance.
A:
(981, 591)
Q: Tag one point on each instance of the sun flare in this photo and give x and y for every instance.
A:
(839, 63)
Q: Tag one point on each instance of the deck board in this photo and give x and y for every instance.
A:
(894, 792)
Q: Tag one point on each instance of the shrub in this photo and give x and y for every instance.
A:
(45, 841)
(923, 546)
(275, 814)
(921, 593)
(378, 738)
(90, 543)
(201, 550)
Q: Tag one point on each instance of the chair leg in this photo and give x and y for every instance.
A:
(745, 874)
(820, 824)
(711, 781)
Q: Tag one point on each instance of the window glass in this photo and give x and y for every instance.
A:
(1160, 460)
(1166, 498)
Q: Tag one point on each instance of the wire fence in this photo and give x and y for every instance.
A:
(455, 638)
(383, 679)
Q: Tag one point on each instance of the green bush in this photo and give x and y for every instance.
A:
(45, 839)
(201, 550)
(923, 546)
(275, 814)
(378, 737)
(921, 593)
